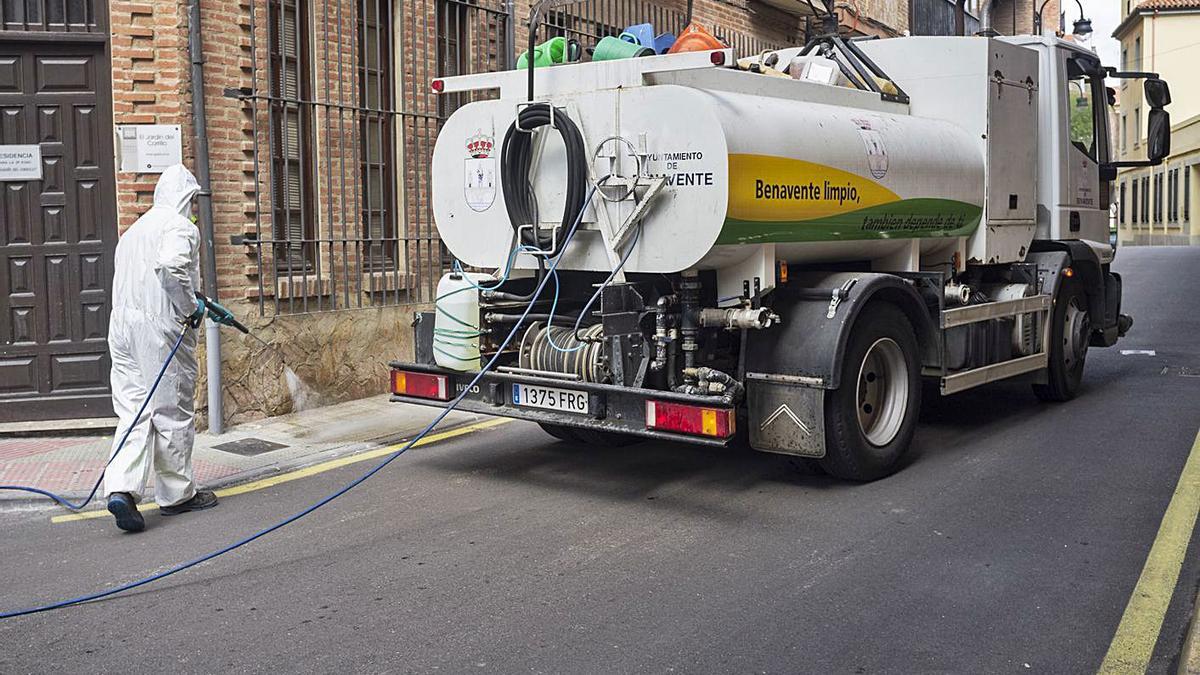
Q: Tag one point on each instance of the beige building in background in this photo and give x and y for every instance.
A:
(1157, 205)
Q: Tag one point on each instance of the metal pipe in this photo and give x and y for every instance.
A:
(212, 333)
(985, 16)
(689, 298)
(510, 35)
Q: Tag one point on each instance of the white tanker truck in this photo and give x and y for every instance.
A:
(728, 256)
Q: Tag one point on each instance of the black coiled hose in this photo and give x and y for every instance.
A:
(516, 157)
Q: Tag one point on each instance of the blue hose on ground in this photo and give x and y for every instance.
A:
(75, 507)
(350, 486)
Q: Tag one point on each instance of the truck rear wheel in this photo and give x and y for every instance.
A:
(1070, 333)
(588, 436)
(871, 417)
(559, 431)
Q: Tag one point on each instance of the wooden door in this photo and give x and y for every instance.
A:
(57, 235)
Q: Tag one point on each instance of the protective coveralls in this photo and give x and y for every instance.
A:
(155, 279)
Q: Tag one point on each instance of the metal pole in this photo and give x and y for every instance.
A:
(510, 35)
(212, 334)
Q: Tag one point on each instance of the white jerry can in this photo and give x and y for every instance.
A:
(456, 321)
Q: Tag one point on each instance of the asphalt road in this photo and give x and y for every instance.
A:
(1010, 543)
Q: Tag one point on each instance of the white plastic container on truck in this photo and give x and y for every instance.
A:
(456, 323)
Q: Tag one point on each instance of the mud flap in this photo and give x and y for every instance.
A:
(785, 417)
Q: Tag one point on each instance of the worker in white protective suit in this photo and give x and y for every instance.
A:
(154, 296)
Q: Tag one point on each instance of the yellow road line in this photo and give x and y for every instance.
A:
(1138, 631)
(307, 471)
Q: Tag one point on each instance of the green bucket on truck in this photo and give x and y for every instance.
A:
(551, 52)
(613, 48)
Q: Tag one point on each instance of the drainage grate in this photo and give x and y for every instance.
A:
(248, 447)
(1180, 371)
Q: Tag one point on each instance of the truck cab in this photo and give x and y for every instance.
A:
(1076, 166)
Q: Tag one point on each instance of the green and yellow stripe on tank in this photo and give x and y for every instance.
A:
(780, 199)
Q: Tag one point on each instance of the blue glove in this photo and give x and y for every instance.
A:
(197, 316)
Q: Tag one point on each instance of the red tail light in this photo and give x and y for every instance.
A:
(690, 419)
(437, 86)
(420, 385)
(717, 58)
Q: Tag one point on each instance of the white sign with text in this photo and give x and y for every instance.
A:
(20, 162)
(149, 148)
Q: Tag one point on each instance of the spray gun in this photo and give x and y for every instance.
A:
(221, 314)
(217, 312)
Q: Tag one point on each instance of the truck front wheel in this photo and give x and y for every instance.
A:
(871, 417)
(1070, 332)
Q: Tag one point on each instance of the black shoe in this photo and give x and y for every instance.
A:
(203, 499)
(122, 506)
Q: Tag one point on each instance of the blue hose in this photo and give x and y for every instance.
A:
(353, 484)
(590, 302)
(149, 396)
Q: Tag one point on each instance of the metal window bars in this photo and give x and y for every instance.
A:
(344, 122)
(67, 16)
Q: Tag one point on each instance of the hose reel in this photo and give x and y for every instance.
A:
(516, 160)
(581, 357)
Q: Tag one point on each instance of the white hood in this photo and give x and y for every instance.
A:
(175, 190)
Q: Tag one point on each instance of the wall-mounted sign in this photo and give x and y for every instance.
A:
(20, 162)
(149, 148)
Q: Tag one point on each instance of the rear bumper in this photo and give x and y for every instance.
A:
(612, 408)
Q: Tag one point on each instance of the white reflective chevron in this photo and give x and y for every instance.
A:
(783, 409)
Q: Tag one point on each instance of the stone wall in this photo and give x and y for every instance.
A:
(335, 356)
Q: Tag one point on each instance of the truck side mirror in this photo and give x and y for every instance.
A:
(1158, 94)
(1158, 134)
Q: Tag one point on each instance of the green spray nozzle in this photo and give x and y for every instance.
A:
(219, 313)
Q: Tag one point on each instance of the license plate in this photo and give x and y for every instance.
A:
(550, 398)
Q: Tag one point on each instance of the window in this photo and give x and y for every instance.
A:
(1137, 126)
(376, 166)
(1137, 54)
(1173, 198)
(453, 50)
(1145, 199)
(1187, 194)
(1121, 205)
(1158, 194)
(1123, 130)
(1133, 211)
(1124, 59)
(1081, 111)
(292, 204)
(1170, 194)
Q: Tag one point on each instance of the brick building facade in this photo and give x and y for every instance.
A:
(320, 125)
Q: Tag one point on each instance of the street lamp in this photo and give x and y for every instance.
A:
(1081, 28)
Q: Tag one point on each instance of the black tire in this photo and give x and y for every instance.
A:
(870, 449)
(588, 436)
(560, 432)
(1070, 333)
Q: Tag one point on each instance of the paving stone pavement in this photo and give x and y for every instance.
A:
(70, 465)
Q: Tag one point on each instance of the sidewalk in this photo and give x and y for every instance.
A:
(69, 465)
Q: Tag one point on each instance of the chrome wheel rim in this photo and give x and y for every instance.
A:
(1076, 329)
(882, 392)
